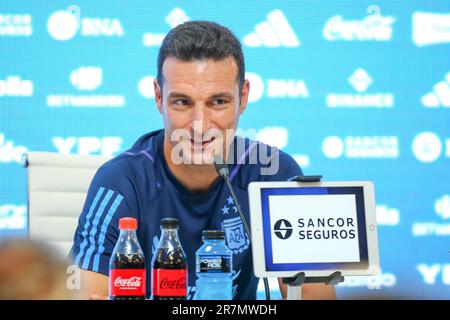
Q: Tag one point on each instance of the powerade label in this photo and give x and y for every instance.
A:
(211, 264)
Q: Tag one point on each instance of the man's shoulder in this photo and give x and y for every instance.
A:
(261, 162)
(135, 161)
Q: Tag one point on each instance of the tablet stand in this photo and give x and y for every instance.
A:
(294, 283)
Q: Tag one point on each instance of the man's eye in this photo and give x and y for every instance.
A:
(220, 102)
(181, 102)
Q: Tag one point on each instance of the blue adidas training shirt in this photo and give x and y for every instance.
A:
(138, 183)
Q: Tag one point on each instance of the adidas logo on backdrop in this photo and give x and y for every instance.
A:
(440, 96)
(273, 32)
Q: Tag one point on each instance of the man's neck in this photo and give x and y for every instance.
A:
(195, 178)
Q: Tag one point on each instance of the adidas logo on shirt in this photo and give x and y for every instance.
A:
(440, 96)
(274, 32)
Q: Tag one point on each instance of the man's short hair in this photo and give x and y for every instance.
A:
(201, 40)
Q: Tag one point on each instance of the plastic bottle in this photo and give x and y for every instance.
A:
(127, 264)
(214, 266)
(169, 265)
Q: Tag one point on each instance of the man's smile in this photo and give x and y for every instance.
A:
(201, 144)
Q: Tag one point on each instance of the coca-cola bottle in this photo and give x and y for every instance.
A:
(127, 265)
(169, 266)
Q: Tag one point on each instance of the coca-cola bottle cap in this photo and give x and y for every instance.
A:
(128, 223)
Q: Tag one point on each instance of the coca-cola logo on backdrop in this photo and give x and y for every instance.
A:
(167, 283)
(133, 282)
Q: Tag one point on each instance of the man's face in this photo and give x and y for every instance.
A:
(200, 104)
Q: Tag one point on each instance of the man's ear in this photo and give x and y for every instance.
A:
(158, 95)
(244, 96)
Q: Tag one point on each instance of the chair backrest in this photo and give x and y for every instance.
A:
(57, 187)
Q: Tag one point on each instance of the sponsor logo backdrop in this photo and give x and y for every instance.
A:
(353, 90)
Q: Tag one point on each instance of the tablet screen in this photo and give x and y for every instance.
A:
(314, 228)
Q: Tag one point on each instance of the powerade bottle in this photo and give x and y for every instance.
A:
(214, 266)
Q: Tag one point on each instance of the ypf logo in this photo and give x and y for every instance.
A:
(283, 229)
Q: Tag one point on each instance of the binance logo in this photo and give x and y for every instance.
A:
(283, 229)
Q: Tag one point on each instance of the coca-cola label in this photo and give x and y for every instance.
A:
(169, 282)
(127, 282)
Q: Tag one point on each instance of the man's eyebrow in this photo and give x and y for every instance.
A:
(222, 95)
(178, 95)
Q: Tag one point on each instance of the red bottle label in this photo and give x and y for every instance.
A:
(169, 282)
(127, 282)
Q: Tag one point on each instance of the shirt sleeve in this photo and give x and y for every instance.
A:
(109, 198)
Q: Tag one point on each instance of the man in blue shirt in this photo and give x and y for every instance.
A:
(200, 92)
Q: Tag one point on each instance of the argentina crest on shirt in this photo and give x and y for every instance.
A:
(237, 239)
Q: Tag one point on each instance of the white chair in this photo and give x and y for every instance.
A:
(57, 187)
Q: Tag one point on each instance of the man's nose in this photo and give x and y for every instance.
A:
(198, 114)
(199, 119)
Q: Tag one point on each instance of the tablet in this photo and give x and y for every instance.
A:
(317, 228)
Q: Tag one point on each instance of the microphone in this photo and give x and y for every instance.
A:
(221, 168)
(223, 171)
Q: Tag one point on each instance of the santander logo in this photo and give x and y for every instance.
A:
(133, 282)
